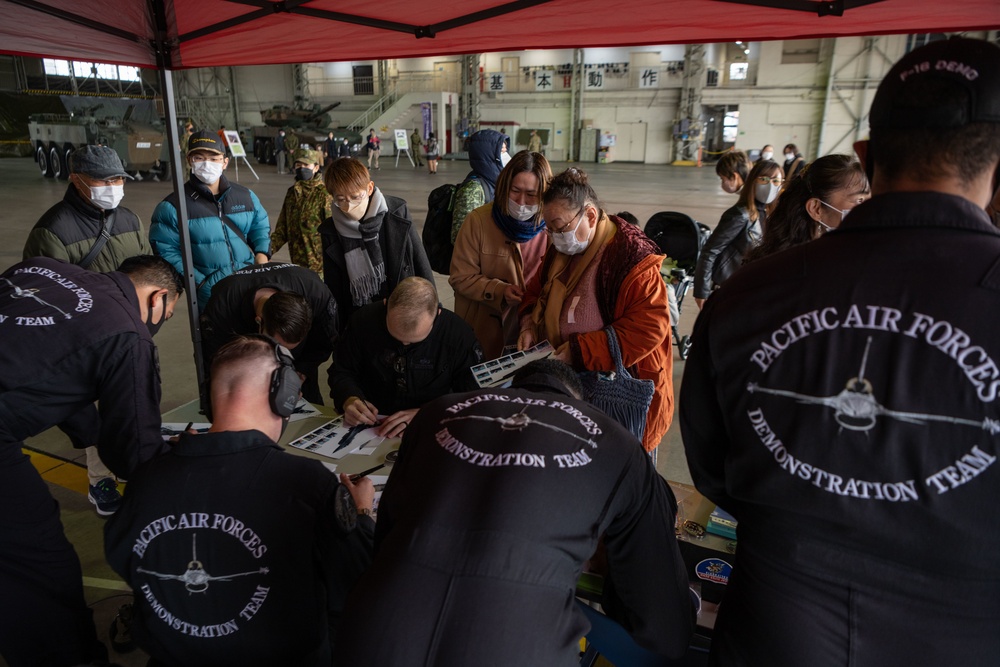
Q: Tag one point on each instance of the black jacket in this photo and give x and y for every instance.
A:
(402, 252)
(497, 499)
(230, 311)
(70, 337)
(373, 365)
(263, 524)
(841, 400)
(723, 251)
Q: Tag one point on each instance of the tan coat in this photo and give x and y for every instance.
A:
(483, 264)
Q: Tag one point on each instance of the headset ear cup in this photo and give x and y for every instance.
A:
(285, 386)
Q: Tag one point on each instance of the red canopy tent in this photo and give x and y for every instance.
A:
(205, 33)
(175, 34)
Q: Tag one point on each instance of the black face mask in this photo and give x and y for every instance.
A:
(154, 327)
(304, 174)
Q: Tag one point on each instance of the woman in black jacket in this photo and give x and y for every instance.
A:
(369, 243)
(738, 230)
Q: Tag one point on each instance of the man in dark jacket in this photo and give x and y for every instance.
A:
(70, 337)
(844, 408)
(397, 355)
(287, 302)
(239, 553)
(497, 499)
(90, 229)
(370, 243)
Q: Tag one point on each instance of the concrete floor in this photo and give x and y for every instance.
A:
(25, 195)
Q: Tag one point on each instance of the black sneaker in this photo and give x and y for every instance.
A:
(105, 496)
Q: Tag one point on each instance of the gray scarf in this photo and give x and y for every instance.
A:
(362, 252)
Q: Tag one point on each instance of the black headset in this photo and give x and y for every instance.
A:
(285, 382)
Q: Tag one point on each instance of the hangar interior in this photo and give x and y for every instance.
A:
(647, 123)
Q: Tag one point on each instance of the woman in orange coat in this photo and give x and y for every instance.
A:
(601, 271)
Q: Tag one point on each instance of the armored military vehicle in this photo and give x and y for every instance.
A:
(311, 125)
(141, 146)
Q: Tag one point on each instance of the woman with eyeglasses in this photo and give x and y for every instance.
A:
(598, 271)
(498, 249)
(739, 229)
(370, 243)
(813, 203)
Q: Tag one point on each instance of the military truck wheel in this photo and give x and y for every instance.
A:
(42, 158)
(66, 153)
(59, 168)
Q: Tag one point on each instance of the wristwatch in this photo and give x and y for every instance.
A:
(364, 511)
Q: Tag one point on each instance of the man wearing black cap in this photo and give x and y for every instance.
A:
(90, 229)
(228, 226)
(841, 400)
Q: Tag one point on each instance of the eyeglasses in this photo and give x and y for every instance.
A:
(117, 180)
(775, 180)
(205, 158)
(354, 199)
(567, 225)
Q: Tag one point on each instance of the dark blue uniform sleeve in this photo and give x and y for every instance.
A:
(129, 403)
(649, 578)
(703, 424)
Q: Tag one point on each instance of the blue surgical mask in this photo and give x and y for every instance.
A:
(504, 159)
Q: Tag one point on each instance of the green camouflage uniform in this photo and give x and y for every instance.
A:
(307, 204)
(469, 196)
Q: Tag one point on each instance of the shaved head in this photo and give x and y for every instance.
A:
(240, 386)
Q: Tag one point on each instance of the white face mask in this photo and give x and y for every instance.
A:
(521, 212)
(767, 155)
(207, 172)
(843, 214)
(731, 186)
(766, 193)
(567, 243)
(106, 197)
(789, 156)
(504, 159)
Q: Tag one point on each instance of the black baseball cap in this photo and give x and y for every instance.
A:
(98, 162)
(945, 84)
(203, 140)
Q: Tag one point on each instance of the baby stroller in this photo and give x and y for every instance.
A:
(680, 238)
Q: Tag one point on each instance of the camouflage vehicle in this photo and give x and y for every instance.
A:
(141, 146)
(310, 125)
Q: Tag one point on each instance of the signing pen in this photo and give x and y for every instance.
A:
(355, 478)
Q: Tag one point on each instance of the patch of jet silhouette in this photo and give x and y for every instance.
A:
(32, 293)
(195, 578)
(519, 422)
(856, 408)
